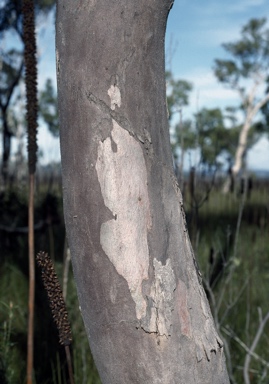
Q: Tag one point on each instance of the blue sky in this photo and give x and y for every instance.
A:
(195, 31)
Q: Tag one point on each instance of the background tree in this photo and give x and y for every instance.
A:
(177, 97)
(143, 304)
(212, 132)
(216, 140)
(48, 108)
(177, 93)
(10, 75)
(247, 73)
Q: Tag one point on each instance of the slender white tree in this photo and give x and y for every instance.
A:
(247, 73)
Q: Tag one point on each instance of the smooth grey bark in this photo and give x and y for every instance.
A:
(144, 308)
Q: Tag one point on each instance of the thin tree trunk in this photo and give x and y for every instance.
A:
(241, 149)
(252, 110)
(7, 134)
(144, 308)
(242, 146)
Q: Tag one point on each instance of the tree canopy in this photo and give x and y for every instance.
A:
(247, 72)
(177, 93)
(48, 107)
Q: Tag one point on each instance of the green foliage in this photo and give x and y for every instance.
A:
(248, 69)
(13, 309)
(263, 125)
(226, 71)
(214, 132)
(50, 363)
(213, 136)
(10, 74)
(11, 63)
(250, 54)
(48, 108)
(84, 367)
(241, 279)
(247, 73)
(177, 94)
(184, 136)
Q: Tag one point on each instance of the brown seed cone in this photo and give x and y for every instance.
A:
(30, 80)
(55, 295)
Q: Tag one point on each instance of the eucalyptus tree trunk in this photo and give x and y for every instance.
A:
(144, 308)
(253, 107)
(252, 110)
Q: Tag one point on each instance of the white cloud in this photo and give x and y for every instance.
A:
(217, 35)
(208, 91)
(218, 23)
(244, 5)
(217, 94)
(215, 8)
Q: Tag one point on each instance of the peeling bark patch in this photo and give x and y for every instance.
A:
(206, 338)
(123, 180)
(115, 96)
(183, 310)
(161, 300)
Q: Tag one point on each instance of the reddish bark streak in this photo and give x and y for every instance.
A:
(182, 308)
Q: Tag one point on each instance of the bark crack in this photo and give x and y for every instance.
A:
(144, 139)
(118, 117)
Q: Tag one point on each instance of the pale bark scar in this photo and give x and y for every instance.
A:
(115, 96)
(122, 176)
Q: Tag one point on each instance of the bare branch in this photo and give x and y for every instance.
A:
(233, 303)
(231, 334)
(260, 104)
(253, 347)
